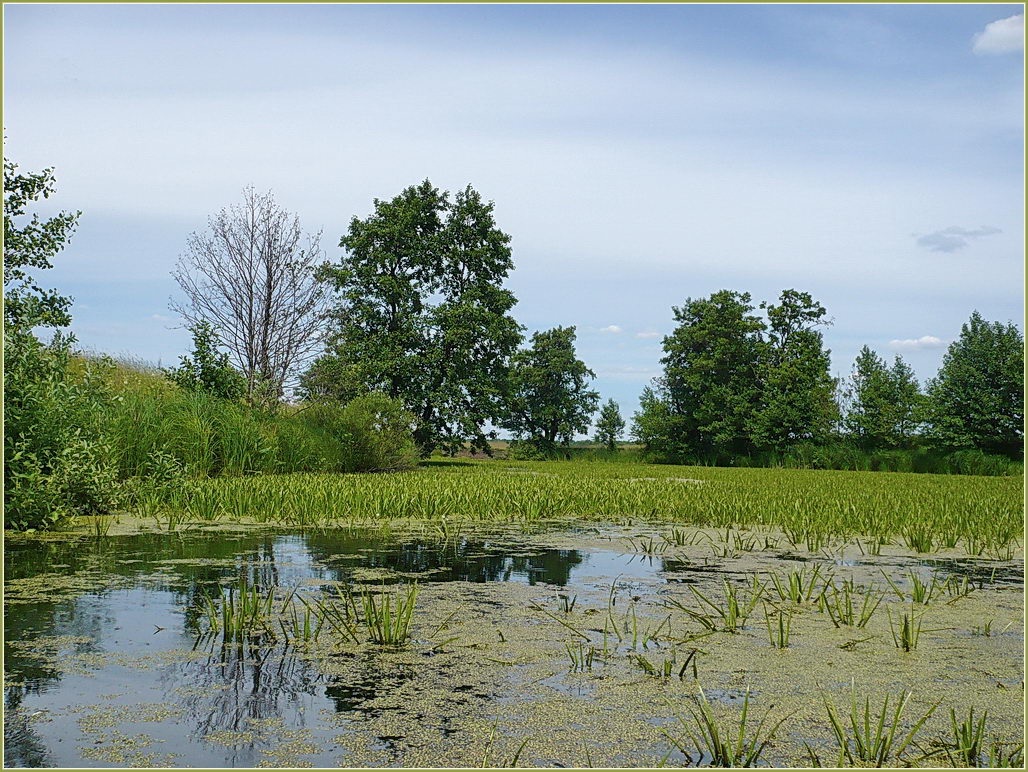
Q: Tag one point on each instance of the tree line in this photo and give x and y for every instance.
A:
(415, 308)
(740, 385)
(407, 344)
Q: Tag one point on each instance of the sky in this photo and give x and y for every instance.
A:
(638, 155)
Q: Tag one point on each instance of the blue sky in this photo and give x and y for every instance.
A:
(638, 155)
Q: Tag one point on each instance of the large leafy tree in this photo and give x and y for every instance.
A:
(550, 398)
(610, 426)
(884, 402)
(977, 398)
(422, 314)
(797, 391)
(711, 365)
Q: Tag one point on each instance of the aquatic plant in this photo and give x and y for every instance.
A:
(841, 609)
(814, 510)
(778, 634)
(906, 629)
(388, 617)
(873, 737)
(241, 611)
(799, 586)
(726, 745)
(729, 615)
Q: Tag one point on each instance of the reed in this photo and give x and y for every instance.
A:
(873, 737)
(724, 744)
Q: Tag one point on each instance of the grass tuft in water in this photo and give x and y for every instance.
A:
(724, 745)
(871, 737)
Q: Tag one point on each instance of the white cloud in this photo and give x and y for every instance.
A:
(647, 335)
(1004, 36)
(917, 344)
(160, 318)
(613, 329)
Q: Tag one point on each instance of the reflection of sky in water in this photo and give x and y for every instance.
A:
(153, 610)
(222, 691)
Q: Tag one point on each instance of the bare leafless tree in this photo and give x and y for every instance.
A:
(251, 277)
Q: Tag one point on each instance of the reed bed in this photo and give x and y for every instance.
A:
(813, 509)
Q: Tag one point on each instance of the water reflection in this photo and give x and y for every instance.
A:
(143, 596)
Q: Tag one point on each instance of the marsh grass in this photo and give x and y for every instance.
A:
(387, 617)
(778, 634)
(872, 737)
(728, 615)
(240, 612)
(723, 744)
(842, 609)
(813, 510)
(799, 586)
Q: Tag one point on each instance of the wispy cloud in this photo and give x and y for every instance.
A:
(954, 238)
(917, 344)
(160, 318)
(611, 329)
(1005, 36)
(647, 335)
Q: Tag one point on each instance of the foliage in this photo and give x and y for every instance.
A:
(711, 366)
(57, 459)
(885, 402)
(610, 426)
(797, 393)
(209, 436)
(810, 508)
(32, 244)
(422, 314)
(977, 399)
(208, 369)
(734, 384)
(549, 396)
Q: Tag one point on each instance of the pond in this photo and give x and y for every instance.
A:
(570, 645)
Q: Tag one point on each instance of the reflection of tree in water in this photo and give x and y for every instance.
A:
(466, 560)
(236, 686)
(369, 680)
(22, 745)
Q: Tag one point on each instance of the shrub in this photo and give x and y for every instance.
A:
(57, 460)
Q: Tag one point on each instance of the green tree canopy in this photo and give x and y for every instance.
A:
(550, 396)
(797, 400)
(977, 398)
(422, 314)
(711, 365)
(31, 242)
(610, 426)
(884, 402)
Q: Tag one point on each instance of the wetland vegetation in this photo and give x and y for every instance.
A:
(245, 562)
(385, 637)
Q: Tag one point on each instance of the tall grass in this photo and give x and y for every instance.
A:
(208, 436)
(827, 505)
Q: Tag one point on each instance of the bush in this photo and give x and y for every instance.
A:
(57, 459)
(373, 432)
